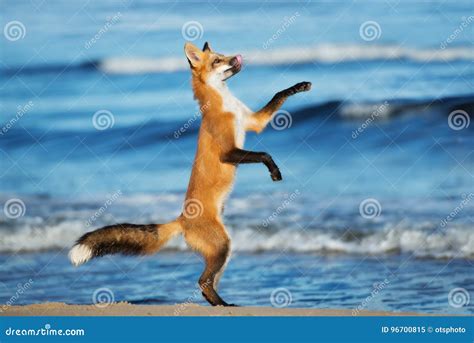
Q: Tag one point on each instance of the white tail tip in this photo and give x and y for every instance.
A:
(80, 254)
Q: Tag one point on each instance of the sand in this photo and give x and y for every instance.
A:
(127, 309)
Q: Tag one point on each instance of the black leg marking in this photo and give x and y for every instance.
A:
(207, 281)
(238, 156)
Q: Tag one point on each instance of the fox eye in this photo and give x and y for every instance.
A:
(217, 60)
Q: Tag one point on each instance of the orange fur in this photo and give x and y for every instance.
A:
(212, 179)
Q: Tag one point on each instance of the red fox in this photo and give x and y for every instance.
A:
(225, 119)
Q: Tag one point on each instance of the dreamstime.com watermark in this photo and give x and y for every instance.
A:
(370, 208)
(14, 208)
(97, 214)
(103, 120)
(192, 208)
(281, 120)
(179, 308)
(380, 110)
(45, 331)
(466, 200)
(21, 111)
(465, 22)
(103, 30)
(281, 208)
(287, 22)
(377, 288)
(459, 120)
(458, 297)
(370, 31)
(192, 30)
(178, 133)
(14, 30)
(103, 297)
(20, 290)
(281, 297)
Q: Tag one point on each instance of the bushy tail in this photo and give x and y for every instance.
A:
(128, 239)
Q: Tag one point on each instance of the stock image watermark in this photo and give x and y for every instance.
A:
(103, 297)
(370, 31)
(380, 110)
(459, 120)
(192, 208)
(21, 111)
(180, 308)
(370, 208)
(21, 289)
(281, 297)
(103, 120)
(376, 289)
(47, 330)
(287, 22)
(465, 22)
(458, 209)
(192, 30)
(458, 297)
(109, 202)
(14, 208)
(281, 120)
(14, 30)
(103, 30)
(290, 198)
(189, 123)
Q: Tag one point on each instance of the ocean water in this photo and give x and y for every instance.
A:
(377, 160)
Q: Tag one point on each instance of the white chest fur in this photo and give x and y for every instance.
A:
(236, 107)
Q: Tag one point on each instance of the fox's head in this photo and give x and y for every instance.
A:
(211, 66)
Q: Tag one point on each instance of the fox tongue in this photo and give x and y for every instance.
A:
(239, 59)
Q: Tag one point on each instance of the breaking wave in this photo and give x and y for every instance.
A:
(302, 55)
(451, 243)
(324, 53)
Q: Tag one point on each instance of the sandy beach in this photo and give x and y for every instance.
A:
(127, 309)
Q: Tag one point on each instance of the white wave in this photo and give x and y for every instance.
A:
(358, 111)
(454, 242)
(142, 65)
(451, 243)
(325, 53)
(34, 236)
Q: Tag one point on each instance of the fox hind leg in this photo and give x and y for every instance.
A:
(209, 279)
(214, 245)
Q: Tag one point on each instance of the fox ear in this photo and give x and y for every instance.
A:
(193, 53)
(207, 47)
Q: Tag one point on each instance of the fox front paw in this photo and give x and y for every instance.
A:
(302, 87)
(298, 88)
(276, 175)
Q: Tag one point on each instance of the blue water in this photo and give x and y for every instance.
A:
(335, 154)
